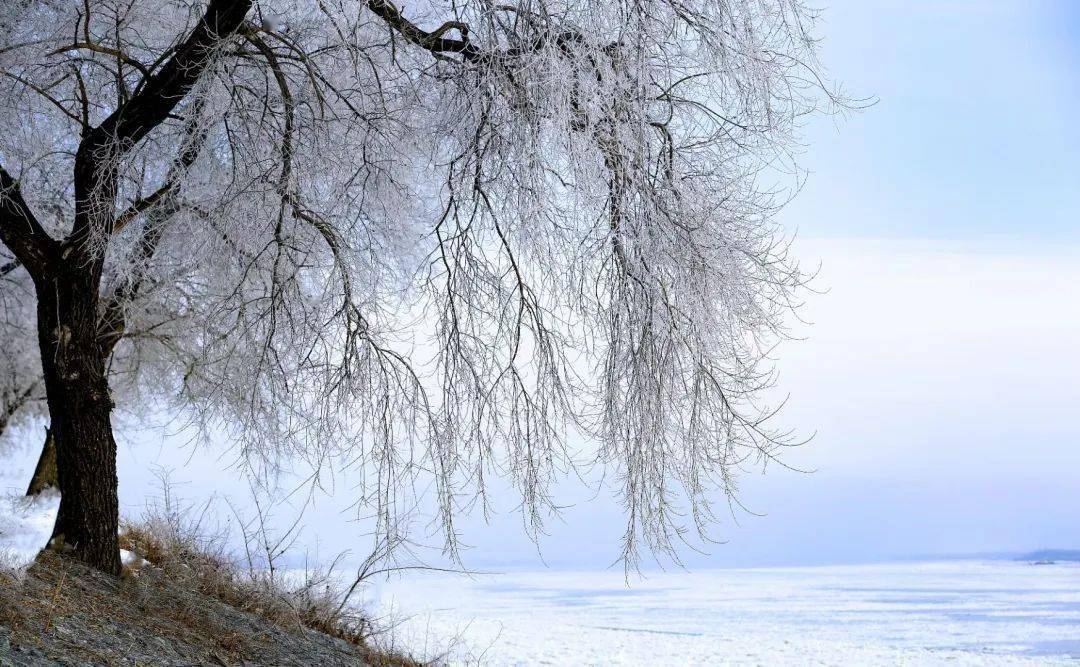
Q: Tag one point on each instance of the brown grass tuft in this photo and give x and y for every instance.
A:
(175, 541)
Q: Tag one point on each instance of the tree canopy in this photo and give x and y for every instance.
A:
(425, 246)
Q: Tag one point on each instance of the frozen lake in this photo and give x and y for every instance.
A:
(957, 613)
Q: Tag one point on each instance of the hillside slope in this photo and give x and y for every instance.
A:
(63, 613)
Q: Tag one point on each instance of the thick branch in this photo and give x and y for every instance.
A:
(154, 101)
(143, 204)
(8, 267)
(160, 94)
(437, 44)
(159, 207)
(20, 230)
(432, 41)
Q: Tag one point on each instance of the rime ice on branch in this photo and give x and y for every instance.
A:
(259, 214)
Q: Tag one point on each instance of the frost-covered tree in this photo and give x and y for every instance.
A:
(22, 389)
(425, 246)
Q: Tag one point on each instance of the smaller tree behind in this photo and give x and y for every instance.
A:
(22, 389)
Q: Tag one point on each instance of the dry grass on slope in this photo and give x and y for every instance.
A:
(186, 600)
(63, 613)
(311, 600)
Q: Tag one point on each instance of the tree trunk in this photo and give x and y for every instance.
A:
(45, 476)
(80, 407)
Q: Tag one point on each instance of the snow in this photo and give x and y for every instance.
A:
(959, 612)
(26, 525)
(132, 559)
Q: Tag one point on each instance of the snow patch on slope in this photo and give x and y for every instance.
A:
(132, 559)
(26, 524)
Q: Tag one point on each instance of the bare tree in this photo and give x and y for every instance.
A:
(420, 253)
(22, 388)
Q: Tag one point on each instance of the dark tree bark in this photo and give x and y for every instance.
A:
(67, 279)
(80, 407)
(45, 475)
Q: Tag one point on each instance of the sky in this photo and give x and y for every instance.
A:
(973, 136)
(939, 373)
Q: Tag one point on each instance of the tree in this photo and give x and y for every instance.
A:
(22, 391)
(418, 252)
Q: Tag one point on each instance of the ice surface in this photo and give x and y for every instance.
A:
(26, 525)
(957, 613)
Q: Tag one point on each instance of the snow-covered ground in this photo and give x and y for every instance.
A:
(25, 527)
(26, 524)
(957, 613)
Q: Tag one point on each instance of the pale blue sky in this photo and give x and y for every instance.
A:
(974, 134)
(941, 372)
